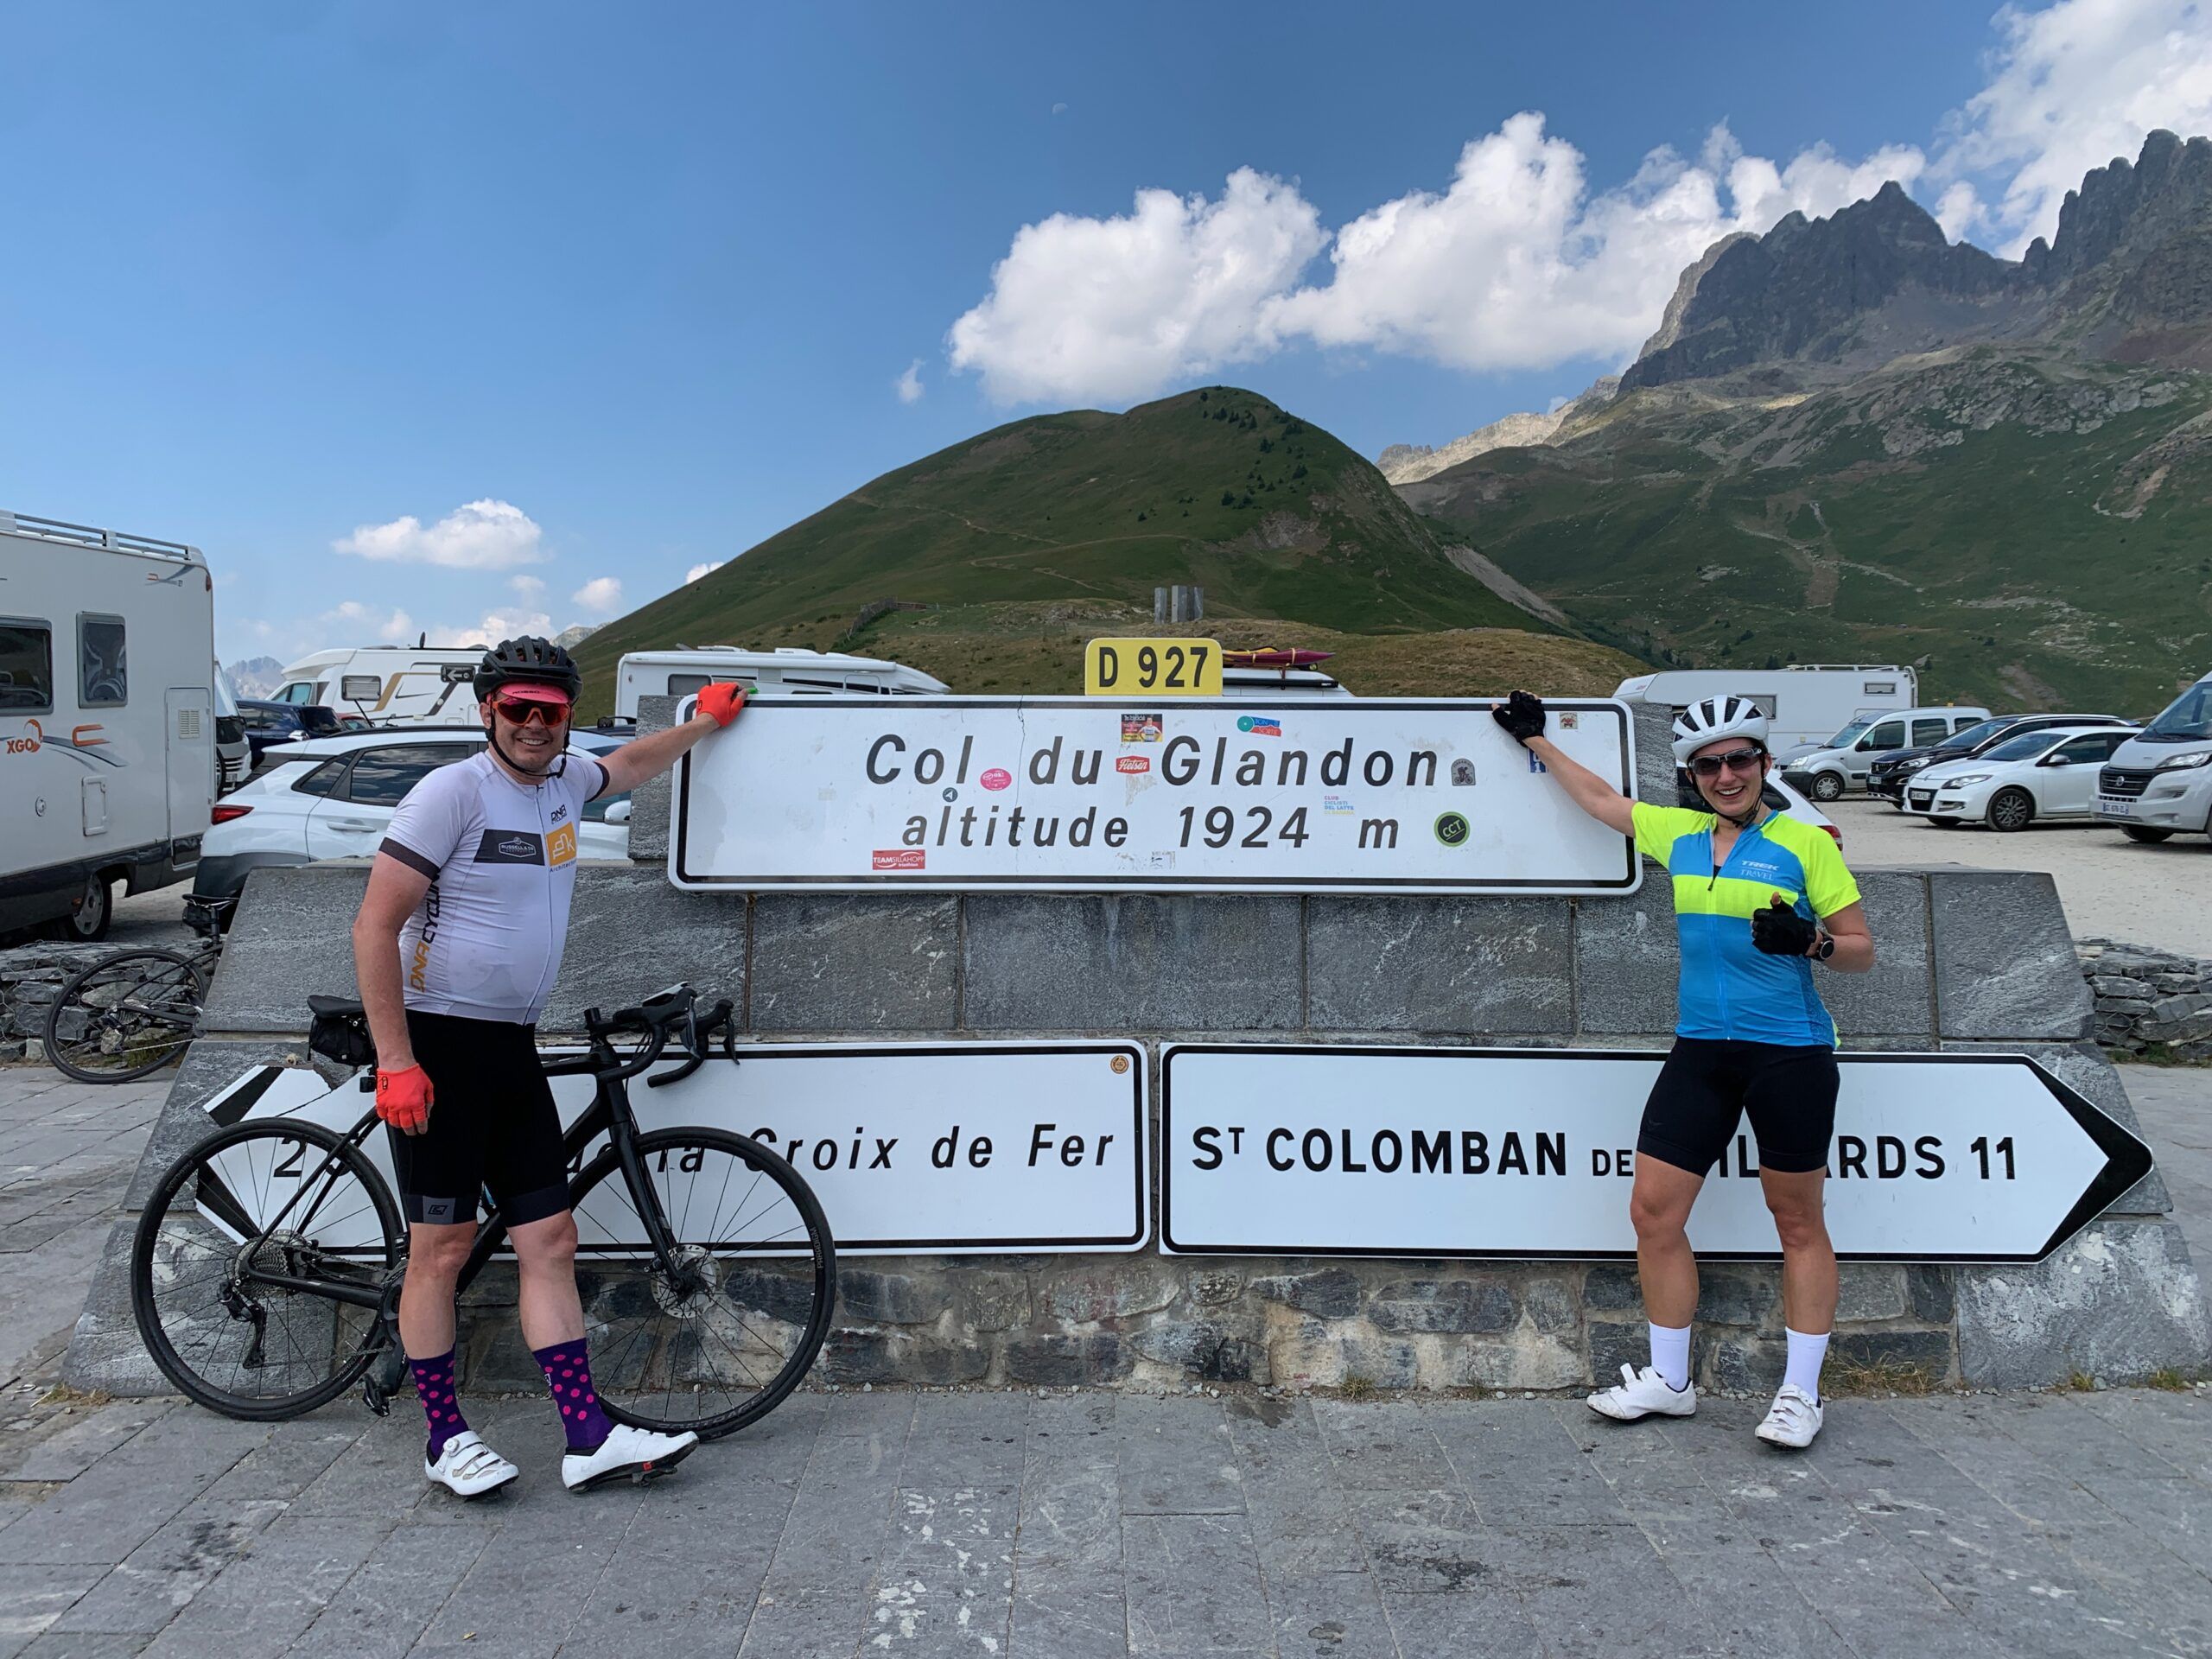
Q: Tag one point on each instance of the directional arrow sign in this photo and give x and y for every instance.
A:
(1529, 1152)
(937, 1147)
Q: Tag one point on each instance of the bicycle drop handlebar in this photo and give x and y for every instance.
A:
(659, 1018)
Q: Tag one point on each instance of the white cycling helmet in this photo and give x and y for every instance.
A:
(1714, 719)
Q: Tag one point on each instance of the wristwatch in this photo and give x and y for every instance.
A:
(1825, 948)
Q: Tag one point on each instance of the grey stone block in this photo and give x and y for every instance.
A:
(1329, 1293)
(1616, 1343)
(1739, 1365)
(630, 934)
(2121, 1300)
(1065, 1362)
(1625, 960)
(901, 1356)
(1202, 1349)
(1131, 962)
(833, 962)
(1738, 1293)
(1094, 1287)
(1931, 1293)
(1870, 1291)
(2005, 963)
(1550, 1305)
(2086, 1068)
(1897, 999)
(1656, 778)
(887, 1298)
(1408, 1306)
(1474, 965)
(650, 801)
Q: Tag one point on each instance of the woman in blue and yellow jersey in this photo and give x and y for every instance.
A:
(1759, 898)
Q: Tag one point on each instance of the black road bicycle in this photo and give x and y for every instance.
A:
(131, 1013)
(266, 1271)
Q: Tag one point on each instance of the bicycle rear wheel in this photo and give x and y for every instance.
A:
(124, 1016)
(719, 1337)
(269, 1195)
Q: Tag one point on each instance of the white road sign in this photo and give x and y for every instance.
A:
(1042, 794)
(1292, 1150)
(947, 1148)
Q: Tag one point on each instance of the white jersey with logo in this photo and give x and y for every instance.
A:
(484, 943)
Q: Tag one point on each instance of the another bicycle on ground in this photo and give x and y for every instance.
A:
(131, 1013)
(266, 1271)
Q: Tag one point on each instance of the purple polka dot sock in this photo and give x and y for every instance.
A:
(568, 1373)
(434, 1387)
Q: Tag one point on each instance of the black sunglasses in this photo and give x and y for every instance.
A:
(1711, 766)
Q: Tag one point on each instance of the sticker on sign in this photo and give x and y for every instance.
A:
(1527, 1153)
(1044, 794)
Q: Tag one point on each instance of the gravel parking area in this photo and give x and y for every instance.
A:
(2111, 887)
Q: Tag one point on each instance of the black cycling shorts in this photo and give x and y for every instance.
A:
(492, 1125)
(1707, 1087)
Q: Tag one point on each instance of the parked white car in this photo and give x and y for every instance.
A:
(2052, 773)
(333, 797)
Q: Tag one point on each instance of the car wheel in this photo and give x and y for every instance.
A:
(2011, 810)
(1947, 824)
(1827, 787)
(95, 909)
(2137, 832)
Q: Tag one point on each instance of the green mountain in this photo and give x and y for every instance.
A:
(1853, 441)
(1272, 516)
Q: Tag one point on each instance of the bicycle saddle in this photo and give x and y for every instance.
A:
(340, 1005)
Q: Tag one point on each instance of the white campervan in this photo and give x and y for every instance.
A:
(2160, 780)
(389, 685)
(788, 670)
(107, 718)
(1806, 703)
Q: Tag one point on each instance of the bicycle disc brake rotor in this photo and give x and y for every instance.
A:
(685, 1293)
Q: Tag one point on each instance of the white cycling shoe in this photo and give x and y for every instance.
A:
(1643, 1393)
(468, 1468)
(1793, 1420)
(627, 1454)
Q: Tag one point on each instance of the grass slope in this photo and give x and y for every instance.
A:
(1272, 515)
(2038, 531)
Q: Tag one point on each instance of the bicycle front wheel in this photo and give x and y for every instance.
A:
(243, 1259)
(124, 1016)
(716, 1337)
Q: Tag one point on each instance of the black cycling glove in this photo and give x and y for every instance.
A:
(1521, 714)
(1781, 932)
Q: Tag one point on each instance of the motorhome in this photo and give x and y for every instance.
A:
(107, 718)
(1805, 704)
(788, 670)
(2159, 782)
(389, 685)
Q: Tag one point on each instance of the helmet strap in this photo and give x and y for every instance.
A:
(556, 768)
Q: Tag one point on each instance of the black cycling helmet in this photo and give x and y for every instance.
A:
(528, 660)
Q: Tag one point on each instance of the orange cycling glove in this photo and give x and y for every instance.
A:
(722, 701)
(403, 1099)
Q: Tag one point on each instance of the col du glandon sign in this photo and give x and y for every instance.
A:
(1041, 794)
(1270, 1150)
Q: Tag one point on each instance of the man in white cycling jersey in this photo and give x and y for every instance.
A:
(1759, 898)
(456, 947)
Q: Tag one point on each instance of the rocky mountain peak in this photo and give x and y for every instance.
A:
(2121, 206)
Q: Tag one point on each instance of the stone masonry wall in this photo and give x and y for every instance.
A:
(1970, 961)
(2149, 1001)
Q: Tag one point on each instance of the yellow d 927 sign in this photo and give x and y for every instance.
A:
(1152, 667)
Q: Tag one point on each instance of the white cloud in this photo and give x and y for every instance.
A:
(485, 535)
(1115, 308)
(1515, 264)
(390, 627)
(908, 385)
(493, 626)
(699, 570)
(529, 589)
(2071, 87)
(600, 593)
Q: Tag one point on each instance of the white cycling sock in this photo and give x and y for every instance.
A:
(1670, 1355)
(1806, 1354)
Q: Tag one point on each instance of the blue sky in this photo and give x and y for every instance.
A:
(638, 282)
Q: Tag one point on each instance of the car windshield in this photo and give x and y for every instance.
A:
(1978, 732)
(2187, 717)
(2026, 747)
(1850, 734)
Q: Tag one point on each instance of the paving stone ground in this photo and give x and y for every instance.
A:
(1065, 1526)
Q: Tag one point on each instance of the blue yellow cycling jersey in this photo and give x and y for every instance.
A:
(1730, 990)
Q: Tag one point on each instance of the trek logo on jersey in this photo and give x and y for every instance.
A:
(561, 845)
(515, 846)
